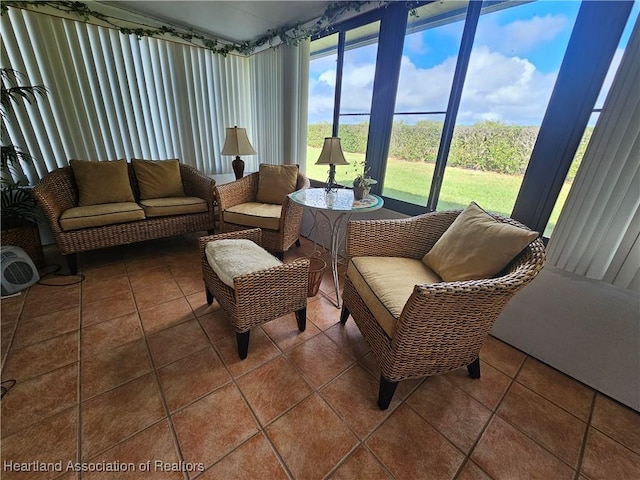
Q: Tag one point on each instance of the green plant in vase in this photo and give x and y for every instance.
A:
(362, 183)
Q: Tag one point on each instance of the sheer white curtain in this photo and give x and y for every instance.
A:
(598, 232)
(114, 96)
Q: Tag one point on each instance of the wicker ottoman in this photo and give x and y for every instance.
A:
(251, 285)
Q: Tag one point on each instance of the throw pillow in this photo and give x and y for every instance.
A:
(158, 178)
(102, 182)
(276, 182)
(476, 246)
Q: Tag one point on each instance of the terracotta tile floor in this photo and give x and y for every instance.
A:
(131, 368)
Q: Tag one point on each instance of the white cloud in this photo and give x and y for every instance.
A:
(497, 87)
(520, 36)
(509, 89)
(415, 44)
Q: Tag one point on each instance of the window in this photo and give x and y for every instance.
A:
(352, 103)
(474, 83)
(513, 67)
(426, 75)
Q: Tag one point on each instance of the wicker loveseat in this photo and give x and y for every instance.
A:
(416, 323)
(57, 193)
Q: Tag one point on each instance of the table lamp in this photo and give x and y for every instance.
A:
(237, 143)
(331, 155)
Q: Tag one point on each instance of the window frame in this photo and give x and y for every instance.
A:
(584, 67)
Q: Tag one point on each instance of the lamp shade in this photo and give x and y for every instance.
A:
(332, 153)
(237, 142)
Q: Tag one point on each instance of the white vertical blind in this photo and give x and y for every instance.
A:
(279, 93)
(598, 232)
(114, 96)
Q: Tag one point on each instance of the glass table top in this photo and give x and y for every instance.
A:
(341, 201)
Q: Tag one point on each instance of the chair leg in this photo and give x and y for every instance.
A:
(279, 256)
(209, 296)
(298, 242)
(474, 368)
(243, 343)
(344, 314)
(301, 318)
(211, 231)
(72, 263)
(385, 394)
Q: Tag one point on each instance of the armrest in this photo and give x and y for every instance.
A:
(196, 183)
(302, 181)
(468, 309)
(55, 193)
(409, 237)
(240, 191)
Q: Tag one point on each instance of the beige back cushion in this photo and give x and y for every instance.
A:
(102, 182)
(276, 182)
(476, 246)
(158, 178)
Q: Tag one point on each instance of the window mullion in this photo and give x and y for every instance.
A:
(338, 91)
(385, 86)
(468, 34)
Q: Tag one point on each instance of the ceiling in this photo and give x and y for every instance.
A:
(236, 21)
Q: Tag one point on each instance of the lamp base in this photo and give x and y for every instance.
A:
(238, 167)
(331, 185)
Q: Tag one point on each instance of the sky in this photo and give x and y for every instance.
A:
(514, 63)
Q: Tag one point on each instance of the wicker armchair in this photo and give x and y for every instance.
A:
(258, 297)
(244, 190)
(442, 325)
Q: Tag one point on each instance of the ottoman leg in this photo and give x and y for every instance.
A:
(344, 314)
(243, 343)
(385, 393)
(209, 296)
(301, 317)
(474, 368)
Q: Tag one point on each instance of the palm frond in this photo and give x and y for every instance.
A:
(12, 92)
(19, 202)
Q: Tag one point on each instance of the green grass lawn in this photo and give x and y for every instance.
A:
(410, 182)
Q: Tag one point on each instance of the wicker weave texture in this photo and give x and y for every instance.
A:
(245, 190)
(442, 326)
(261, 296)
(26, 237)
(57, 192)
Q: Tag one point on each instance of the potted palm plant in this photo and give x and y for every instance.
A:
(19, 208)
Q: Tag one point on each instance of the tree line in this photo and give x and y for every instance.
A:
(488, 146)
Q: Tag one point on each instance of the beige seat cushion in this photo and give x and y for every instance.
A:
(232, 258)
(162, 207)
(386, 283)
(100, 215)
(276, 182)
(102, 182)
(158, 178)
(476, 246)
(254, 214)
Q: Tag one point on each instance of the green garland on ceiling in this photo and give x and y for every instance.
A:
(288, 34)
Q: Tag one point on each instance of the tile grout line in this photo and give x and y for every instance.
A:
(80, 362)
(583, 446)
(156, 376)
(494, 413)
(516, 427)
